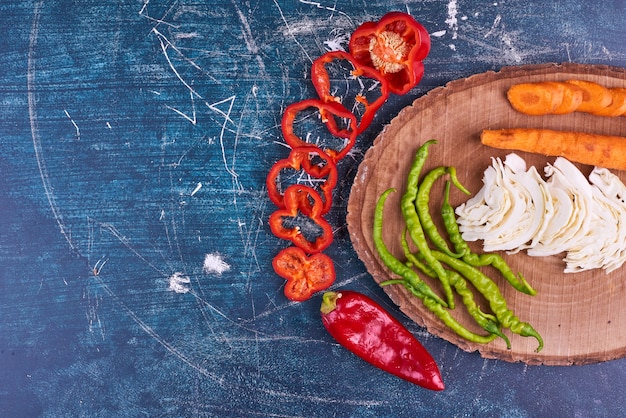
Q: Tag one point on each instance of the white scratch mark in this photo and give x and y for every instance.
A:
(452, 21)
(189, 35)
(97, 268)
(166, 45)
(73, 123)
(483, 370)
(116, 233)
(249, 37)
(319, 399)
(511, 52)
(494, 25)
(332, 9)
(214, 107)
(197, 189)
(179, 283)
(191, 118)
(142, 13)
(213, 263)
(289, 30)
(34, 128)
(109, 126)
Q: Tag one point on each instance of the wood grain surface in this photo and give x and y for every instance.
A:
(581, 316)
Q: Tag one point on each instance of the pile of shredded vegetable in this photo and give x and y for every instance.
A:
(517, 209)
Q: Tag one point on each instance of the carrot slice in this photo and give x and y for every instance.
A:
(572, 98)
(594, 149)
(617, 106)
(595, 96)
(535, 99)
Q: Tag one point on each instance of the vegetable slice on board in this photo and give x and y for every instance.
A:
(617, 106)
(595, 96)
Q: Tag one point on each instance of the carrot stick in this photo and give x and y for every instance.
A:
(593, 149)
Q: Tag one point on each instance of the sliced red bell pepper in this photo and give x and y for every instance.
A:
(371, 84)
(395, 46)
(314, 163)
(301, 220)
(339, 127)
(305, 275)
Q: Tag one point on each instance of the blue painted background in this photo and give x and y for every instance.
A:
(135, 140)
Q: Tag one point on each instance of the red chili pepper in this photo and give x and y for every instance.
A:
(369, 331)
(395, 46)
(305, 275)
(323, 83)
(315, 163)
(301, 221)
(339, 122)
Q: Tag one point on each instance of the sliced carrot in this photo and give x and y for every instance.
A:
(535, 99)
(617, 106)
(593, 149)
(572, 98)
(595, 96)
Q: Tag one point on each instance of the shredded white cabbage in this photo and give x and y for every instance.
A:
(516, 209)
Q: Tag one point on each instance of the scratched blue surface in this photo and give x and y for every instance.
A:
(135, 141)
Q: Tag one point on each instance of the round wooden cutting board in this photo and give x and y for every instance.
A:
(581, 316)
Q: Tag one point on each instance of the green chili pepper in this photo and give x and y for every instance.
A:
(395, 265)
(445, 316)
(423, 212)
(489, 289)
(411, 218)
(486, 321)
(478, 260)
(419, 264)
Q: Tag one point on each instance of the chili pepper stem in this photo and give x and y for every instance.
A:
(329, 302)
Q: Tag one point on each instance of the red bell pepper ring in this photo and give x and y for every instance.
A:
(323, 85)
(338, 137)
(395, 46)
(310, 232)
(324, 173)
(305, 275)
(369, 331)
